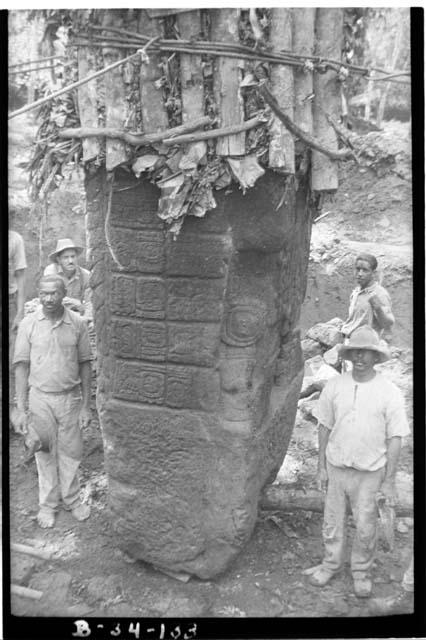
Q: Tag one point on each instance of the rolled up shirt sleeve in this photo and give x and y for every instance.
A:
(22, 344)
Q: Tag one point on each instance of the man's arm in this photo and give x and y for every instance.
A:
(322, 477)
(22, 370)
(382, 312)
(392, 457)
(85, 370)
(20, 299)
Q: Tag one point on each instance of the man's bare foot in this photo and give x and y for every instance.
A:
(46, 519)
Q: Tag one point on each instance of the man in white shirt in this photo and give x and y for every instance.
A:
(361, 420)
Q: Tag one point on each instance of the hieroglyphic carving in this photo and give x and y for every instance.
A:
(150, 298)
(244, 323)
(141, 251)
(195, 299)
(199, 257)
(180, 387)
(123, 299)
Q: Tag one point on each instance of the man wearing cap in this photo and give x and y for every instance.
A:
(64, 262)
(52, 358)
(361, 420)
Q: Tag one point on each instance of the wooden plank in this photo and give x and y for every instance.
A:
(227, 77)
(154, 115)
(281, 145)
(115, 99)
(87, 103)
(30, 551)
(328, 36)
(303, 44)
(26, 592)
(189, 25)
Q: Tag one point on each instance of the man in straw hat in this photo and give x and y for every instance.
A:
(64, 262)
(52, 358)
(361, 420)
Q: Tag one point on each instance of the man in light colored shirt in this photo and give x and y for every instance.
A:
(64, 262)
(52, 358)
(361, 420)
(370, 303)
(17, 267)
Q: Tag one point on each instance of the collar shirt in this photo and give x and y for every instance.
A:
(54, 350)
(77, 285)
(17, 261)
(361, 417)
(360, 310)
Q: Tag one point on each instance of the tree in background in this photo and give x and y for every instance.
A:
(378, 38)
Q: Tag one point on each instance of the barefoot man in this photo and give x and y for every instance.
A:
(52, 358)
(361, 420)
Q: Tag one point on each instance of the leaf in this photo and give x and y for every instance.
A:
(144, 163)
(192, 157)
(246, 170)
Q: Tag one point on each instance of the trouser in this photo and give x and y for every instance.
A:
(12, 339)
(408, 579)
(360, 488)
(58, 468)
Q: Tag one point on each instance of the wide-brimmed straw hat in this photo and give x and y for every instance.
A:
(365, 338)
(61, 245)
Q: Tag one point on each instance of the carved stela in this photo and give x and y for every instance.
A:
(199, 362)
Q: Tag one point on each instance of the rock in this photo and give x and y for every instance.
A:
(196, 404)
(104, 588)
(21, 567)
(310, 348)
(308, 405)
(327, 333)
(401, 527)
(331, 356)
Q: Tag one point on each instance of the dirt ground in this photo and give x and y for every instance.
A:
(88, 576)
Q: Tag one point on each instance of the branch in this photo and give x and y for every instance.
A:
(135, 138)
(215, 133)
(297, 131)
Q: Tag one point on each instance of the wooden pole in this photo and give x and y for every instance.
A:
(115, 101)
(277, 497)
(154, 116)
(281, 144)
(87, 103)
(329, 34)
(30, 551)
(303, 44)
(227, 77)
(26, 592)
(136, 139)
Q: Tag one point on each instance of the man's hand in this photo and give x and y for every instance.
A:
(321, 479)
(19, 420)
(74, 304)
(19, 316)
(375, 302)
(388, 491)
(84, 417)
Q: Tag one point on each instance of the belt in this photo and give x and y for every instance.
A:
(58, 393)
